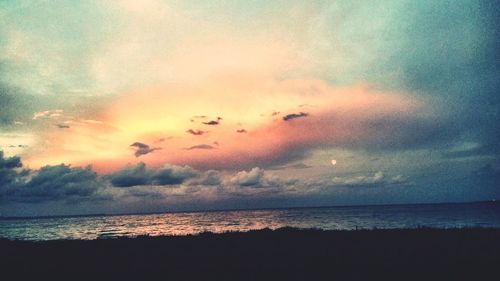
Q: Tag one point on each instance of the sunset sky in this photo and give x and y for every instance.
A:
(144, 106)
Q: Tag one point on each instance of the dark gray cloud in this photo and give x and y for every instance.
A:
(172, 174)
(8, 173)
(60, 182)
(139, 175)
(210, 177)
(294, 115)
(200, 146)
(50, 183)
(143, 149)
(9, 163)
(196, 132)
(130, 176)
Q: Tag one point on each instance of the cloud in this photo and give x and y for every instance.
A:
(136, 184)
(23, 112)
(297, 166)
(145, 192)
(196, 132)
(130, 176)
(61, 182)
(136, 175)
(172, 174)
(212, 122)
(210, 178)
(63, 126)
(143, 149)
(293, 166)
(200, 146)
(295, 115)
(300, 166)
(9, 163)
(8, 173)
(241, 131)
(9, 102)
(377, 179)
(470, 149)
(47, 114)
(258, 181)
(250, 178)
(50, 183)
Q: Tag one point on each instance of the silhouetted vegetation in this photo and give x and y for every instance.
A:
(283, 254)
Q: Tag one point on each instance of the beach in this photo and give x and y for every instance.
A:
(282, 254)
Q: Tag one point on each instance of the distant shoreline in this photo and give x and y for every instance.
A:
(282, 254)
(242, 210)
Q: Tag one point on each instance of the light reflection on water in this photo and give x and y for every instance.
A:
(367, 217)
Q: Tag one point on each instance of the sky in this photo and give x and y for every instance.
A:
(151, 106)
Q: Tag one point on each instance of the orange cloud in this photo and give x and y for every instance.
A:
(349, 116)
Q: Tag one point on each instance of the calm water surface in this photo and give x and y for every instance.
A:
(328, 218)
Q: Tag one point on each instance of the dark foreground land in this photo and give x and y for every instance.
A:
(283, 254)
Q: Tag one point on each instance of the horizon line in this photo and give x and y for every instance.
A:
(242, 209)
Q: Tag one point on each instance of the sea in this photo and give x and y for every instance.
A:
(451, 215)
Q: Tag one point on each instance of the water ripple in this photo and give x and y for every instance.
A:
(347, 218)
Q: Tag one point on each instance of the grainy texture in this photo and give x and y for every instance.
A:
(283, 254)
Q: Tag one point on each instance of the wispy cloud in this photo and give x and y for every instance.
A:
(196, 132)
(200, 146)
(294, 115)
(143, 149)
(48, 114)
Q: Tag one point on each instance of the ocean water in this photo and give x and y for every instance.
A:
(486, 214)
